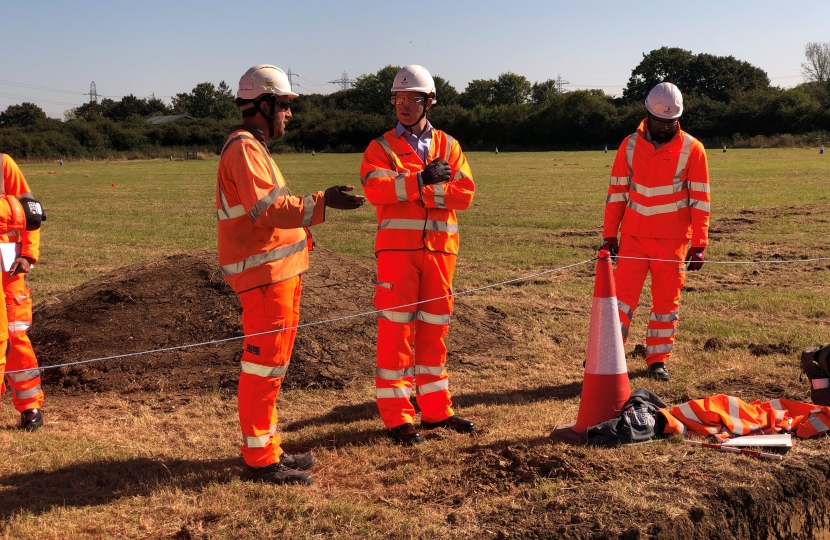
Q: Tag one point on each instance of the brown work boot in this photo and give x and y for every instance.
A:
(658, 371)
(301, 462)
(31, 420)
(405, 435)
(277, 473)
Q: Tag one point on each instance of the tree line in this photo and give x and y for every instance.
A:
(727, 101)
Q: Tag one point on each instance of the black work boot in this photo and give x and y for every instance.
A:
(301, 462)
(455, 423)
(277, 473)
(658, 371)
(405, 435)
(31, 419)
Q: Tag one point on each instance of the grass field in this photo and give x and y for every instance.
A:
(144, 470)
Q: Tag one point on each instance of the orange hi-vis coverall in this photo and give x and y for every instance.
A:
(20, 357)
(658, 198)
(263, 250)
(416, 247)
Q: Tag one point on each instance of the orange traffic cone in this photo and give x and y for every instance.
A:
(605, 384)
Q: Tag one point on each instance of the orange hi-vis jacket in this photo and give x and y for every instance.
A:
(659, 193)
(726, 416)
(12, 183)
(412, 217)
(262, 238)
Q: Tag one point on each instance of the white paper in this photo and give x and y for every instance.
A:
(784, 440)
(9, 251)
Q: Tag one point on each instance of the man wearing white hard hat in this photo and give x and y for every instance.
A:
(417, 177)
(263, 252)
(658, 200)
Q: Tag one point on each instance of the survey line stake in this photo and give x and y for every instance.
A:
(735, 450)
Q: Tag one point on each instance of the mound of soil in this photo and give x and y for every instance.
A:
(182, 299)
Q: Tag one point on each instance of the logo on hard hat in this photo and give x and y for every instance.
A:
(246, 86)
(403, 80)
(268, 83)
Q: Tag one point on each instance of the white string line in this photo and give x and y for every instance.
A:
(367, 313)
(316, 323)
(706, 261)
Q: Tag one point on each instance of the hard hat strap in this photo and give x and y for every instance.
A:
(269, 117)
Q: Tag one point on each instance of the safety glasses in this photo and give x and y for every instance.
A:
(406, 100)
(282, 105)
(659, 122)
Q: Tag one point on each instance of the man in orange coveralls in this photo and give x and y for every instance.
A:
(27, 394)
(417, 177)
(263, 251)
(658, 199)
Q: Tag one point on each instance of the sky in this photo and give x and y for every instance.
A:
(50, 51)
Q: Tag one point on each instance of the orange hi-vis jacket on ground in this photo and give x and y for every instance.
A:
(410, 218)
(416, 246)
(662, 193)
(26, 390)
(261, 235)
(725, 416)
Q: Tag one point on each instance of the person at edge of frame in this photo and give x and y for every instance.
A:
(263, 252)
(417, 177)
(658, 200)
(24, 379)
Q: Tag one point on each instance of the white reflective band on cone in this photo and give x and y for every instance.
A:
(606, 354)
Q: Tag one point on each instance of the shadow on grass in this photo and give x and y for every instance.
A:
(344, 414)
(101, 482)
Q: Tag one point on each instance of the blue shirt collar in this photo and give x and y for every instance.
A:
(400, 129)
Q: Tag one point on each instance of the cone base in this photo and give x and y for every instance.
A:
(603, 397)
(567, 435)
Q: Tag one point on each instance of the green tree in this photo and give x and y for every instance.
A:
(817, 66)
(25, 114)
(478, 92)
(445, 92)
(371, 92)
(511, 89)
(717, 77)
(541, 93)
(207, 101)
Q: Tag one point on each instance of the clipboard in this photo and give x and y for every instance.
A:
(9, 251)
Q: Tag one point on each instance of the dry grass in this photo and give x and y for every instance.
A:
(164, 466)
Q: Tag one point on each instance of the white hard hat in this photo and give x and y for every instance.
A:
(264, 79)
(414, 78)
(665, 101)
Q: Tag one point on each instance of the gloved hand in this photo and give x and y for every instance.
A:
(33, 212)
(611, 245)
(336, 197)
(435, 172)
(695, 258)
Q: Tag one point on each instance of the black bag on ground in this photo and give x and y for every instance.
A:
(814, 364)
(637, 422)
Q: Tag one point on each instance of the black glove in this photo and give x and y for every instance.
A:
(336, 197)
(695, 258)
(436, 172)
(33, 212)
(611, 245)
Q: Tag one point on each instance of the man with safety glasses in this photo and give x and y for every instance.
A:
(417, 177)
(263, 251)
(658, 199)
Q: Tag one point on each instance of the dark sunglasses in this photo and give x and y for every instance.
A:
(282, 105)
